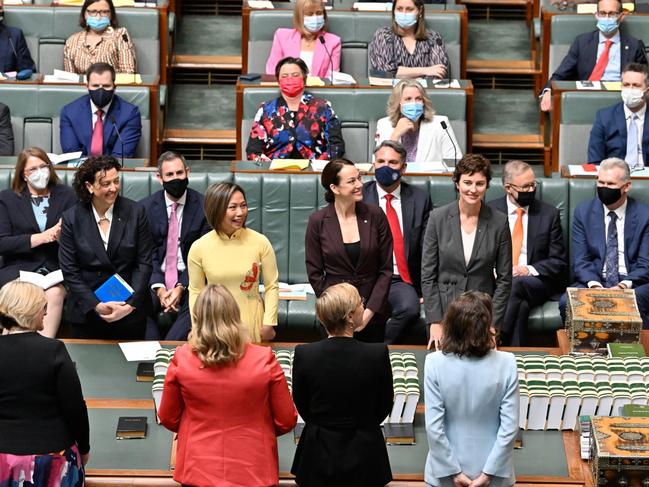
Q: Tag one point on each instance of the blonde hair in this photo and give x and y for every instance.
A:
(20, 304)
(334, 305)
(298, 15)
(394, 102)
(217, 336)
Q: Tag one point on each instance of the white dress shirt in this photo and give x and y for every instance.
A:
(179, 214)
(94, 108)
(639, 123)
(107, 216)
(468, 239)
(512, 217)
(396, 204)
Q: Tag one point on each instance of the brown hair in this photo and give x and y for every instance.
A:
(217, 336)
(420, 30)
(87, 173)
(330, 176)
(334, 305)
(100, 68)
(471, 164)
(88, 3)
(467, 325)
(298, 16)
(394, 102)
(18, 183)
(217, 199)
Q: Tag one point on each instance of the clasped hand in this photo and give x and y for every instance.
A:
(113, 310)
(169, 299)
(461, 480)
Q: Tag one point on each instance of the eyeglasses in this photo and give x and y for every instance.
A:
(95, 13)
(526, 188)
(32, 170)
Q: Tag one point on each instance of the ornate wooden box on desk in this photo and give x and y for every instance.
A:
(595, 317)
(619, 451)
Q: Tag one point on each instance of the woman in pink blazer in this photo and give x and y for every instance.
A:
(227, 399)
(304, 40)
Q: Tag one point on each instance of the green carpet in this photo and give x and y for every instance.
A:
(499, 39)
(505, 112)
(209, 35)
(202, 107)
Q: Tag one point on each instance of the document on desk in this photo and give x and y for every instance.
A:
(68, 156)
(139, 351)
(372, 6)
(260, 4)
(589, 85)
(583, 169)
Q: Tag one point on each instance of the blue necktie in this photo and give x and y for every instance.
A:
(631, 157)
(612, 269)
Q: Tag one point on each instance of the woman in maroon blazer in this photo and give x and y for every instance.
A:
(350, 241)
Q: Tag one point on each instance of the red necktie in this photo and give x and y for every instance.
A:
(397, 238)
(97, 142)
(602, 62)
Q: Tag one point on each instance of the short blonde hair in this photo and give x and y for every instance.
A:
(298, 15)
(334, 305)
(394, 102)
(217, 336)
(20, 305)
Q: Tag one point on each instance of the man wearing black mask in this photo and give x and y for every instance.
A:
(407, 209)
(610, 238)
(539, 258)
(176, 220)
(94, 123)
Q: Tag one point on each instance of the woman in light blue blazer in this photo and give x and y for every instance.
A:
(471, 394)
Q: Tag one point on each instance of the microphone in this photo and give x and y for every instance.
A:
(331, 61)
(112, 119)
(445, 127)
(132, 48)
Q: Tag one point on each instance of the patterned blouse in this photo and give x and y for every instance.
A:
(312, 132)
(388, 52)
(115, 48)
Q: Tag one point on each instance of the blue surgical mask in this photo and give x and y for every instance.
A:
(386, 176)
(314, 23)
(98, 23)
(607, 26)
(412, 110)
(405, 20)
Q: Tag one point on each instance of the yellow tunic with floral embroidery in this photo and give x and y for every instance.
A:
(238, 262)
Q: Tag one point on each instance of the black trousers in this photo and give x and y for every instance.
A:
(180, 328)
(527, 292)
(405, 310)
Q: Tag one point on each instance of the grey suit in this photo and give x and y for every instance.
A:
(472, 428)
(444, 275)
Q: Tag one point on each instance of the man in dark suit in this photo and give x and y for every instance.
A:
(610, 238)
(14, 53)
(411, 206)
(620, 130)
(94, 123)
(171, 240)
(598, 55)
(6, 132)
(539, 261)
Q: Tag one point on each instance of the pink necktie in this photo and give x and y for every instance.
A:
(171, 259)
(97, 142)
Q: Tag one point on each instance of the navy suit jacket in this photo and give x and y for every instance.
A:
(582, 56)
(608, 135)
(86, 264)
(12, 42)
(589, 242)
(18, 224)
(194, 226)
(6, 132)
(545, 249)
(76, 127)
(415, 208)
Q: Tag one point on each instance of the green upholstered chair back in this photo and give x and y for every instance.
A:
(578, 110)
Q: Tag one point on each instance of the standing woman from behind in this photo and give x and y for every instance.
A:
(44, 432)
(227, 399)
(467, 247)
(350, 241)
(343, 390)
(30, 226)
(238, 258)
(406, 49)
(471, 429)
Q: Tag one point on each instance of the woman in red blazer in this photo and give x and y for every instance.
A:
(350, 241)
(227, 399)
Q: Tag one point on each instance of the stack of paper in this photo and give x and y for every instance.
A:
(289, 164)
(162, 359)
(405, 382)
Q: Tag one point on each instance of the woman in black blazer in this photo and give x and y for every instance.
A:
(103, 235)
(30, 225)
(350, 241)
(467, 247)
(343, 390)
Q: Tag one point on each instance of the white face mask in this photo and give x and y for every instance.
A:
(39, 178)
(633, 97)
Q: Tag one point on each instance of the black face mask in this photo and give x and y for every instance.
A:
(2, 16)
(176, 187)
(101, 97)
(525, 198)
(608, 196)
